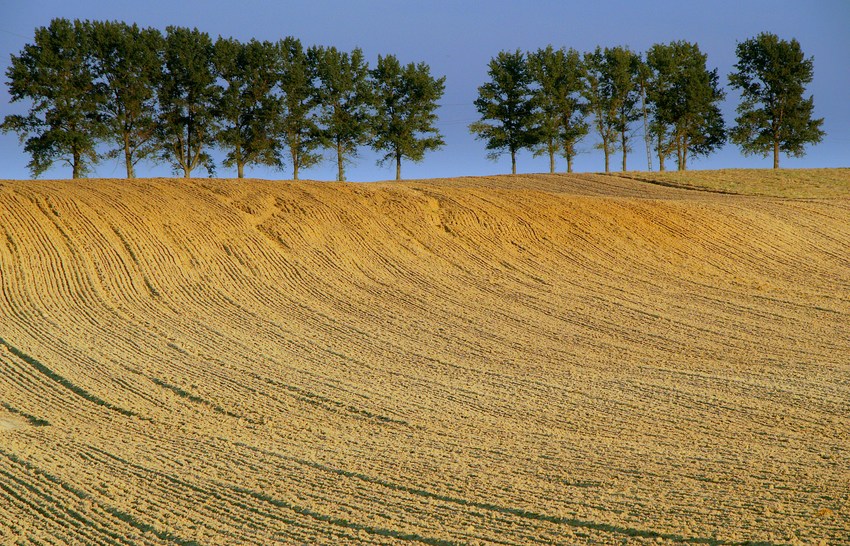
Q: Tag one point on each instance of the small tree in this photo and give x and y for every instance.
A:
(296, 75)
(684, 96)
(188, 95)
(405, 98)
(344, 98)
(127, 60)
(558, 77)
(248, 109)
(773, 115)
(508, 101)
(57, 75)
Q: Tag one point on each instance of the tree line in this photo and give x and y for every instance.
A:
(173, 96)
(548, 100)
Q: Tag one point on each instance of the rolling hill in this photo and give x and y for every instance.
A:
(540, 359)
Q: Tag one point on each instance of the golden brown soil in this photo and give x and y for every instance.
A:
(510, 360)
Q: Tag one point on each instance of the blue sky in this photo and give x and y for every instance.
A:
(457, 39)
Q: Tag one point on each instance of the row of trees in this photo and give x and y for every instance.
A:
(542, 101)
(172, 97)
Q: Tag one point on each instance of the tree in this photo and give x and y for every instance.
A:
(684, 96)
(558, 77)
(599, 92)
(248, 109)
(127, 60)
(773, 115)
(508, 101)
(612, 90)
(188, 95)
(404, 100)
(624, 71)
(57, 75)
(298, 123)
(344, 98)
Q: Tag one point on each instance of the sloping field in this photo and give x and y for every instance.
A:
(511, 360)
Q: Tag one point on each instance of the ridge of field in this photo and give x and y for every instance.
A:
(791, 183)
(540, 359)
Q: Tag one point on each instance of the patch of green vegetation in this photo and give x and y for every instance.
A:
(79, 391)
(33, 420)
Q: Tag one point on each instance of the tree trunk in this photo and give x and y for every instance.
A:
(660, 153)
(623, 141)
(76, 168)
(513, 161)
(569, 163)
(128, 158)
(187, 171)
(551, 157)
(340, 176)
(293, 151)
(398, 166)
(240, 169)
(776, 154)
(607, 154)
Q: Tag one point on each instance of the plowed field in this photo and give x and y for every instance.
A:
(560, 359)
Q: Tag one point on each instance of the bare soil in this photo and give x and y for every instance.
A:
(541, 359)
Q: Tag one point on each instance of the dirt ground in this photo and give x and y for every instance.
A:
(567, 359)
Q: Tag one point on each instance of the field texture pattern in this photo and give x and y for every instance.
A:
(510, 360)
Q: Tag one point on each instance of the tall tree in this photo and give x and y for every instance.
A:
(248, 108)
(684, 96)
(298, 120)
(509, 104)
(344, 99)
(57, 75)
(405, 98)
(558, 78)
(599, 92)
(187, 94)
(624, 70)
(128, 61)
(773, 115)
(612, 90)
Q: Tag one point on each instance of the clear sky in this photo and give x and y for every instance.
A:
(457, 38)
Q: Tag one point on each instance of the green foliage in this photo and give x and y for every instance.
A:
(612, 91)
(57, 75)
(558, 76)
(188, 96)
(298, 121)
(684, 97)
(127, 61)
(771, 75)
(248, 110)
(404, 101)
(509, 103)
(601, 101)
(344, 98)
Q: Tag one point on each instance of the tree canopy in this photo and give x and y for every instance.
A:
(405, 100)
(684, 97)
(508, 107)
(773, 115)
(58, 76)
(557, 75)
(344, 101)
(248, 110)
